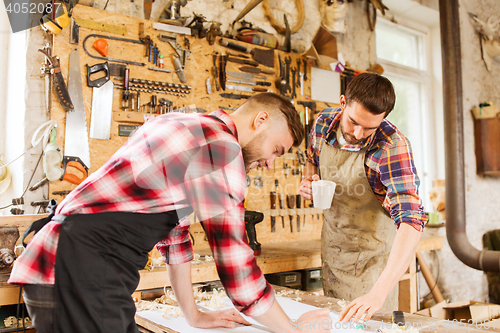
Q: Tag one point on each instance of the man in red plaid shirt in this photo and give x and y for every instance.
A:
(80, 269)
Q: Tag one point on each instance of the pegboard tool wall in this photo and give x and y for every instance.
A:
(198, 69)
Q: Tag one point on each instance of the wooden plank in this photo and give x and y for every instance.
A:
(20, 220)
(9, 294)
(152, 326)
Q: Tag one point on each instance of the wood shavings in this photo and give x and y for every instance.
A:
(196, 259)
(212, 300)
(199, 260)
(158, 262)
(167, 303)
(292, 294)
(342, 303)
(155, 263)
(12, 321)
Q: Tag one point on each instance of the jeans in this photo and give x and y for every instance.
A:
(39, 299)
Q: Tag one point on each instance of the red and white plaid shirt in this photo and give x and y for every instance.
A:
(172, 162)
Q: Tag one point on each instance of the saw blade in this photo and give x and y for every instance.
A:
(102, 109)
(76, 142)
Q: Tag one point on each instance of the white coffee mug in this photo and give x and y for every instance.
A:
(323, 191)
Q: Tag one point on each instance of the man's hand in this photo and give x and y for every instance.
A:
(306, 187)
(222, 318)
(369, 303)
(306, 322)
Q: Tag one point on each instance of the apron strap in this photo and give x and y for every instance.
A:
(39, 224)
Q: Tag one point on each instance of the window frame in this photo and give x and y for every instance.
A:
(424, 78)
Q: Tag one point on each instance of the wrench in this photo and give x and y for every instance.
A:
(297, 84)
(294, 75)
(288, 61)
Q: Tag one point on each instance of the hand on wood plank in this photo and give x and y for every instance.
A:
(368, 303)
(222, 318)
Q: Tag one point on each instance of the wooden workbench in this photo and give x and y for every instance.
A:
(275, 258)
(427, 324)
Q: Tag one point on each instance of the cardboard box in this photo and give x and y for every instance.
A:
(323, 48)
(435, 311)
(477, 311)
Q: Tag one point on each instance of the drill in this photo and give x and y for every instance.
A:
(251, 219)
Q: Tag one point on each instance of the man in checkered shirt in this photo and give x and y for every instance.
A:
(80, 269)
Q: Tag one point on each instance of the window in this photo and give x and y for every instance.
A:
(402, 53)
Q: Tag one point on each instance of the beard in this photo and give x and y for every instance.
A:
(252, 151)
(349, 138)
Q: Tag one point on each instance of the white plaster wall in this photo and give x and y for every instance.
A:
(11, 107)
(21, 109)
(36, 115)
(456, 280)
(479, 85)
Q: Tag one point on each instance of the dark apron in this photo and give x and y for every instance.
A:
(96, 269)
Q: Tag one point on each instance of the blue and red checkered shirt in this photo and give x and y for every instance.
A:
(389, 166)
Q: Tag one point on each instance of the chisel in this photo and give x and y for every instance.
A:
(282, 206)
(250, 82)
(273, 206)
(290, 201)
(234, 96)
(222, 69)
(298, 200)
(243, 61)
(216, 73)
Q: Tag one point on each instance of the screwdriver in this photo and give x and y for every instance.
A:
(273, 206)
(126, 91)
(290, 200)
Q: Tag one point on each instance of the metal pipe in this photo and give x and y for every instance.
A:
(454, 144)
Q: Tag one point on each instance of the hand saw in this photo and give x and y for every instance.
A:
(76, 143)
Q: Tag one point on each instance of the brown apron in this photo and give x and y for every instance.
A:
(357, 233)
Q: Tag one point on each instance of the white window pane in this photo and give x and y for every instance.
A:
(408, 118)
(398, 45)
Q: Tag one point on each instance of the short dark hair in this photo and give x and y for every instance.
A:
(281, 107)
(374, 92)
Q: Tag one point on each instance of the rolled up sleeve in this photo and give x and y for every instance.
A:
(177, 248)
(399, 175)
